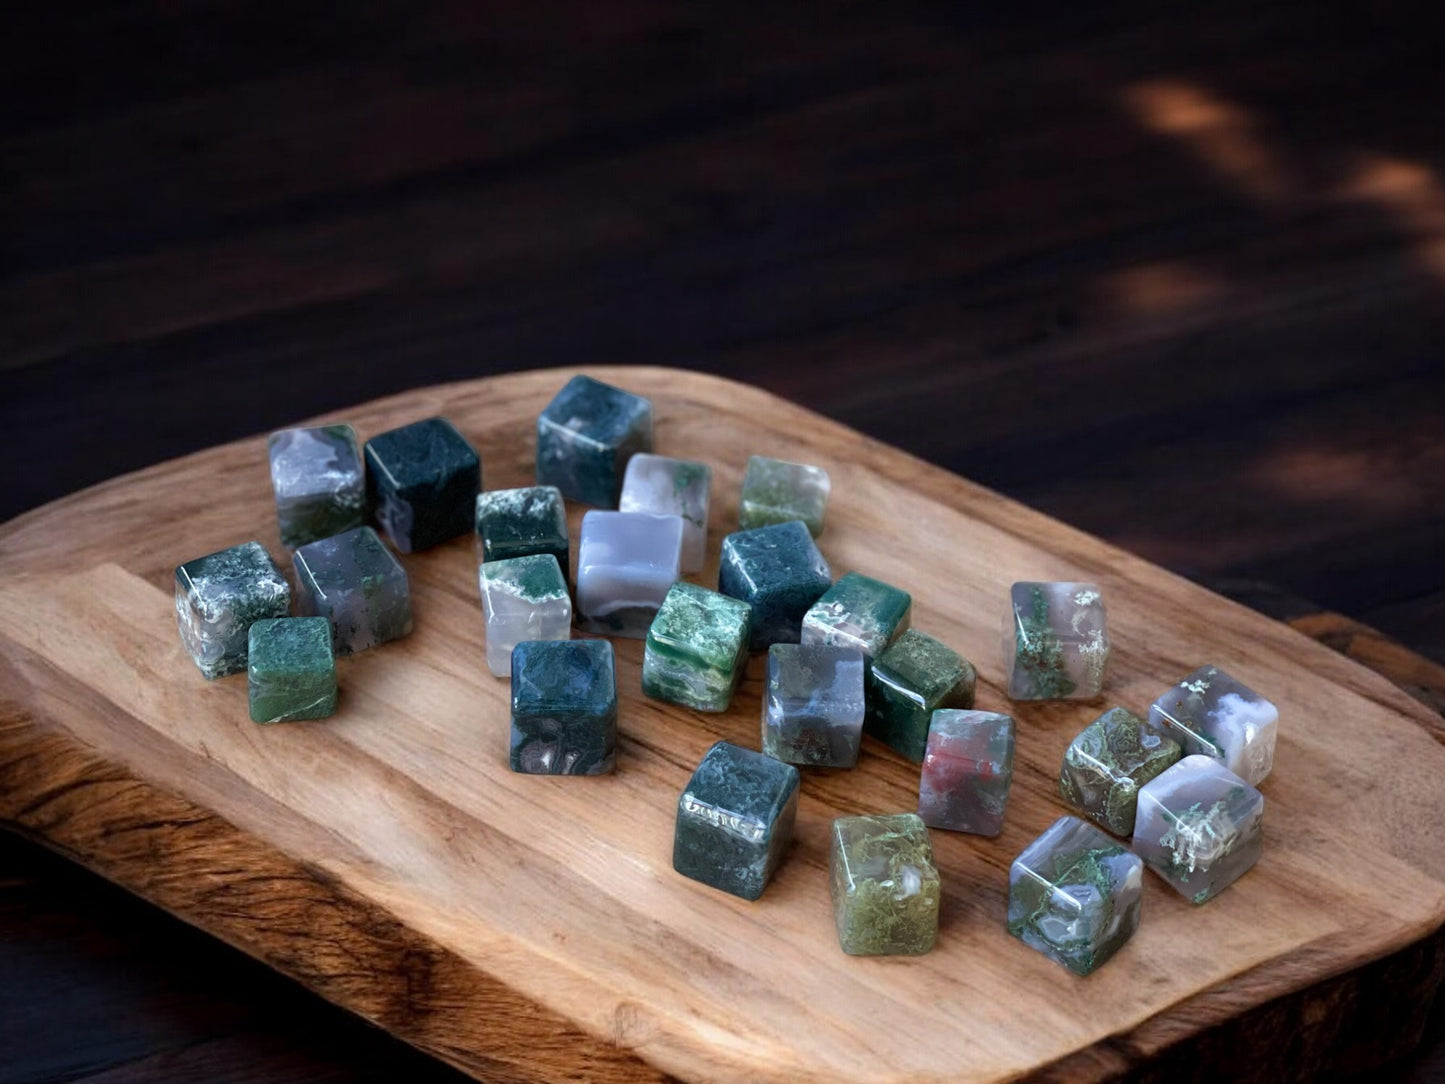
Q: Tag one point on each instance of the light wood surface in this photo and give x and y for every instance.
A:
(525, 928)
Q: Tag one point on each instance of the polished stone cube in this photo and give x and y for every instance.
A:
(1211, 713)
(291, 670)
(523, 598)
(356, 583)
(968, 768)
(217, 599)
(884, 885)
(813, 705)
(776, 491)
(521, 523)
(422, 481)
(1108, 762)
(735, 820)
(564, 707)
(626, 564)
(779, 572)
(586, 436)
(672, 487)
(320, 488)
(1057, 644)
(1199, 827)
(858, 611)
(912, 679)
(696, 648)
(1074, 894)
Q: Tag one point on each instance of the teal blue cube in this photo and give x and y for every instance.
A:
(585, 437)
(779, 572)
(564, 707)
(421, 483)
(291, 671)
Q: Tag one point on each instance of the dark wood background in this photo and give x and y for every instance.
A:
(1176, 276)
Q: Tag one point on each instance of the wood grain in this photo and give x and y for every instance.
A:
(521, 928)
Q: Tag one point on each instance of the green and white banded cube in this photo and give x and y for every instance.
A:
(776, 491)
(291, 673)
(858, 611)
(696, 648)
(523, 598)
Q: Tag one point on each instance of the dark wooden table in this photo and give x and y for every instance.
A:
(1177, 277)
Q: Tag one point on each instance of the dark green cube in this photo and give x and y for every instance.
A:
(522, 522)
(586, 436)
(564, 707)
(421, 483)
(779, 572)
(911, 680)
(291, 670)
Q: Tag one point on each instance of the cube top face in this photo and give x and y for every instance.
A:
(884, 884)
(780, 573)
(626, 564)
(912, 679)
(1199, 826)
(813, 708)
(523, 598)
(564, 707)
(776, 491)
(217, 598)
(422, 481)
(696, 648)
(1108, 762)
(292, 672)
(1057, 643)
(585, 437)
(747, 790)
(320, 489)
(858, 611)
(355, 581)
(1213, 714)
(535, 579)
(1074, 895)
(967, 771)
(665, 486)
(522, 522)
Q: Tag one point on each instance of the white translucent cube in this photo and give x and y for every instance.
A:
(665, 486)
(523, 598)
(626, 561)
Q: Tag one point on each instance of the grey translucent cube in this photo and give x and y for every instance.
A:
(319, 484)
(813, 708)
(1213, 714)
(523, 598)
(665, 486)
(626, 563)
(354, 581)
(1056, 644)
(219, 596)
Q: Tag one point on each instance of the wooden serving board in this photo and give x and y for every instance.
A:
(529, 928)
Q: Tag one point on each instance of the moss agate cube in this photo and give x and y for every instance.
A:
(522, 523)
(564, 707)
(626, 564)
(356, 583)
(813, 705)
(665, 486)
(779, 572)
(968, 768)
(884, 885)
(1074, 894)
(696, 648)
(291, 671)
(586, 436)
(735, 820)
(219, 596)
(912, 679)
(1199, 827)
(1211, 713)
(858, 611)
(1108, 762)
(776, 491)
(422, 481)
(1057, 643)
(320, 488)
(523, 598)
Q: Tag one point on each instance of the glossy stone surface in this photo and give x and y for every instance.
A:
(911, 680)
(1211, 713)
(696, 648)
(665, 486)
(626, 564)
(421, 482)
(586, 436)
(776, 491)
(217, 599)
(1108, 762)
(523, 598)
(858, 611)
(521, 523)
(1074, 894)
(779, 572)
(884, 885)
(813, 705)
(968, 768)
(564, 707)
(356, 583)
(735, 820)
(1056, 645)
(291, 671)
(319, 485)
(1199, 827)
